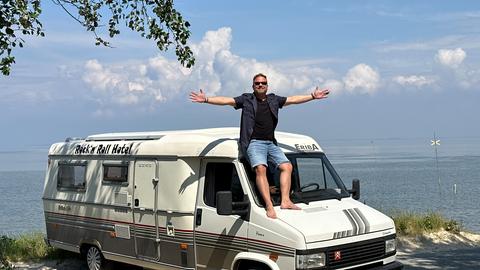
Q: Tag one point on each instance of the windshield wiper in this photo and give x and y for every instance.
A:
(334, 193)
(297, 197)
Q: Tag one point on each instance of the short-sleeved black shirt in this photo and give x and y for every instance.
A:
(265, 123)
(248, 103)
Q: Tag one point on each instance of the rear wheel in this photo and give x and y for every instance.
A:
(95, 260)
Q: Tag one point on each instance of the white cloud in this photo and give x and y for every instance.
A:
(218, 71)
(413, 80)
(451, 58)
(362, 78)
(99, 77)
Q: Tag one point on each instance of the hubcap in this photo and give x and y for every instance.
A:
(94, 258)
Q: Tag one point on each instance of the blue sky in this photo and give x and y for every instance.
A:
(396, 69)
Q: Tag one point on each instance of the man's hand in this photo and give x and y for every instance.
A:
(319, 94)
(198, 97)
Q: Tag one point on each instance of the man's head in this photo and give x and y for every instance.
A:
(260, 84)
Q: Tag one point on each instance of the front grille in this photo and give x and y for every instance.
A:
(356, 253)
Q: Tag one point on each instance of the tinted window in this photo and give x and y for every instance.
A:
(117, 173)
(221, 177)
(71, 176)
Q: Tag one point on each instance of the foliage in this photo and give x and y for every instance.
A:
(157, 20)
(453, 226)
(5, 244)
(17, 17)
(413, 224)
(27, 247)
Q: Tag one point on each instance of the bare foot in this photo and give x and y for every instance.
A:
(289, 205)
(271, 213)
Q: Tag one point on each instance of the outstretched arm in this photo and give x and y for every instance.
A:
(316, 94)
(200, 97)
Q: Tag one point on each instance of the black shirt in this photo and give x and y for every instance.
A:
(265, 123)
(248, 103)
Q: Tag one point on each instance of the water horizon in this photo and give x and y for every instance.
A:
(396, 175)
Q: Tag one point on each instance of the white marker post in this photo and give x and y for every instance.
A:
(436, 143)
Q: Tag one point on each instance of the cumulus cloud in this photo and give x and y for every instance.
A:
(218, 71)
(413, 80)
(362, 78)
(451, 58)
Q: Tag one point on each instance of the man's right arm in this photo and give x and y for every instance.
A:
(200, 97)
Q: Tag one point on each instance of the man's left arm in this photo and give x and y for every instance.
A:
(316, 94)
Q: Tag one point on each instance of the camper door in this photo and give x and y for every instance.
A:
(219, 238)
(145, 209)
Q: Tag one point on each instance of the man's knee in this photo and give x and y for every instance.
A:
(261, 170)
(286, 167)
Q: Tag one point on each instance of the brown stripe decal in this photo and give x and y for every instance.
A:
(185, 236)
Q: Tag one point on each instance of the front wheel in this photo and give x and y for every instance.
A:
(254, 266)
(95, 260)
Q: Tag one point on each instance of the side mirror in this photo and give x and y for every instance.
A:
(355, 191)
(226, 207)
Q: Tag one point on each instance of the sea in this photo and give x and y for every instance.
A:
(396, 174)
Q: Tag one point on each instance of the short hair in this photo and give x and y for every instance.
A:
(259, 75)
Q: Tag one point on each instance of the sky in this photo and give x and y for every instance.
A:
(396, 69)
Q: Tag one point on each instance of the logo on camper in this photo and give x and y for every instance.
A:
(104, 149)
(338, 255)
(306, 147)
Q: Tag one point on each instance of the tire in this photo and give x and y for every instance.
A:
(94, 258)
(253, 266)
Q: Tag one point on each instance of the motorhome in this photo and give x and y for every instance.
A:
(188, 200)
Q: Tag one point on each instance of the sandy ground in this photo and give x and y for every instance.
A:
(440, 250)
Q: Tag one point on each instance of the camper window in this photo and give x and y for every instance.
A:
(221, 177)
(115, 173)
(71, 176)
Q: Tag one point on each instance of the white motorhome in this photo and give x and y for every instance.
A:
(188, 200)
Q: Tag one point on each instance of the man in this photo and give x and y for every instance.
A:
(257, 127)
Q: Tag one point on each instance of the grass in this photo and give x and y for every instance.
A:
(414, 224)
(27, 247)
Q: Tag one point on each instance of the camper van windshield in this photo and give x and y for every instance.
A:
(313, 179)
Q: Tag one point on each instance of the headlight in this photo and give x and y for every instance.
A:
(310, 261)
(390, 246)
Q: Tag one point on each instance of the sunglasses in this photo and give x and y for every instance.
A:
(260, 83)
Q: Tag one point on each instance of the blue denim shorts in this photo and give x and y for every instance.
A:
(261, 152)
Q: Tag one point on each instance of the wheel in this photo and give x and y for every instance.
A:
(95, 260)
(253, 266)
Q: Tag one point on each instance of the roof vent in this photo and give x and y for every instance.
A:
(73, 139)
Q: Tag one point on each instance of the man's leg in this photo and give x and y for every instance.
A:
(264, 189)
(257, 153)
(285, 185)
(278, 157)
